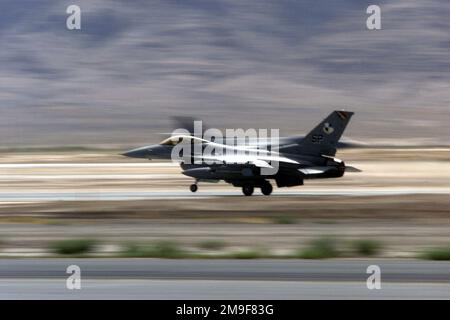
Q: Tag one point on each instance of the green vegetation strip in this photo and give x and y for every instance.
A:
(319, 248)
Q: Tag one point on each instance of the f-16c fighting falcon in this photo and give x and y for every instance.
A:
(309, 157)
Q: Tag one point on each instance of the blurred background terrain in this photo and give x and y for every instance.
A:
(271, 64)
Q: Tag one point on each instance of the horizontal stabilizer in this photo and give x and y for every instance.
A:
(308, 171)
(352, 169)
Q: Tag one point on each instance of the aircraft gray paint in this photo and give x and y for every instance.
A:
(308, 157)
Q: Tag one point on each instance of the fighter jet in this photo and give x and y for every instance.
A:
(309, 157)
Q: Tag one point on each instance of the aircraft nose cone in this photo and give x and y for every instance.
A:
(137, 153)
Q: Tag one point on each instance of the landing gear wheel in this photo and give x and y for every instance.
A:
(266, 189)
(193, 187)
(247, 189)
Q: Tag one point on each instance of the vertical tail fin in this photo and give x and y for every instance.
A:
(325, 136)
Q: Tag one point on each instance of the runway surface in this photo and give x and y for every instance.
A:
(110, 181)
(103, 181)
(64, 195)
(222, 279)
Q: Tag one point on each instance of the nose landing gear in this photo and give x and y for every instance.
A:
(193, 187)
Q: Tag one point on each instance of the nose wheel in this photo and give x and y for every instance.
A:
(193, 187)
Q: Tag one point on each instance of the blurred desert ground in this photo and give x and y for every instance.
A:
(401, 199)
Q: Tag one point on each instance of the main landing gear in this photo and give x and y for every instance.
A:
(266, 189)
(248, 189)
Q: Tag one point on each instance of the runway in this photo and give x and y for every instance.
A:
(59, 180)
(223, 279)
(64, 195)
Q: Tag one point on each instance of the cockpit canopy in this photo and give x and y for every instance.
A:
(174, 140)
